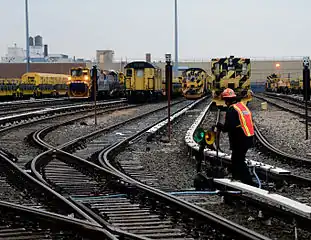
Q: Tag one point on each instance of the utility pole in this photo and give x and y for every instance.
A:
(306, 88)
(168, 80)
(27, 36)
(176, 42)
(94, 75)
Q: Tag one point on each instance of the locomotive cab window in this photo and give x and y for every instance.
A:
(31, 79)
(129, 73)
(139, 73)
(76, 72)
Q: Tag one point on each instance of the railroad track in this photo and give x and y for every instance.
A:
(257, 201)
(18, 187)
(47, 106)
(15, 139)
(13, 105)
(293, 98)
(152, 160)
(8, 122)
(114, 198)
(287, 105)
(95, 141)
(20, 222)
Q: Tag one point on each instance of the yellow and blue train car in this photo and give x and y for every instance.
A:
(34, 84)
(143, 81)
(231, 72)
(9, 87)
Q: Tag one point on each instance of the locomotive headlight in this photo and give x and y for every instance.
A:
(69, 78)
(86, 78)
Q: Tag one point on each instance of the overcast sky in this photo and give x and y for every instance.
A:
(207, 28)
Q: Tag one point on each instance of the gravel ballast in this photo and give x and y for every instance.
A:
(85, 126)
(169, 162)
(282, 129)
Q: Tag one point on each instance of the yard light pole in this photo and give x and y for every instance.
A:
(306, 88)
(168, 80)
(94, 88)
(176, 42)
(27, 36)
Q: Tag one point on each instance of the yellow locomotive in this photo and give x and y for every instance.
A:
(34, 84)
(79, 83)
(194, 83)
(143, 81)
(234, 73)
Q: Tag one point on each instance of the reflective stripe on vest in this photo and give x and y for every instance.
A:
(245, 117)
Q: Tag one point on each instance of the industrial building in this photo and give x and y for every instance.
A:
(38, 53)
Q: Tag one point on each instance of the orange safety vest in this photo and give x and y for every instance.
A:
(245, 117)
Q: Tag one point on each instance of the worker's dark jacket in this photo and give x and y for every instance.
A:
(232, 125)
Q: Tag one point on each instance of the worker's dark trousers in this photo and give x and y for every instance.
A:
(239, 168)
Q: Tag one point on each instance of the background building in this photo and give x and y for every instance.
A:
(38, 53)
(16, 70)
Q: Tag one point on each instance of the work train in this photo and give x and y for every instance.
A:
(141, 81)
(195, 83)
(231, 73)
(109, 84)
(144, 80)
(287, 85)
(33, 84)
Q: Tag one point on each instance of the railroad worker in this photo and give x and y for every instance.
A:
(240, 128)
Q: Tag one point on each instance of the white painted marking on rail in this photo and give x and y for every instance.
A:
(119, 133)
(176, 115)
(285, 203)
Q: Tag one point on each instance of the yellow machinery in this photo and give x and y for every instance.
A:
(9, 87)
(143, 80)
(231, 73)
(176, 87)
(271, 83)
(43, 84)
(296, 85)
(194, 83)
(121, 78)
(276, 83)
